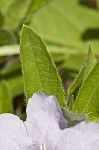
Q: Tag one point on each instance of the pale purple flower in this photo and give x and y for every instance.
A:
(42, 129)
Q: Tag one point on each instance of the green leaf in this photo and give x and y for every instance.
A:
(87, 100)
(85, 70)
(72, 117)
(71, 102)
(67, 23)
(7, 37)
(32, 8)
(24, 10)
(5, 98)
(1, 20)
(90, 63)
(16, 13)
(12, 74)
(34, 5)
(15, 85)
(73, 65)
(4, 6)
(39, 71)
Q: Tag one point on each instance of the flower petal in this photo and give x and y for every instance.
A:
(90, 132)
(43, 117)
(89, 129)
(13, 134)
(55, 109)
(6, 144)
(82, 136)
(70, 140)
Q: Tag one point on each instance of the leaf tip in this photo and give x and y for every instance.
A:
(89, 48)
(24, 27)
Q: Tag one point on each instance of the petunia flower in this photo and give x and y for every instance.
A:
(43, 129)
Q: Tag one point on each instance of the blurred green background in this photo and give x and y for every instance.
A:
(66, 27)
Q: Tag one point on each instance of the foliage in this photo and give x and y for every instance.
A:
(39, 71)
(12, 16)
(65, 27)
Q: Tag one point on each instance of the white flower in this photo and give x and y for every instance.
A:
(41, 130)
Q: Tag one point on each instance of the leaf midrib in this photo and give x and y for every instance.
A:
(35, 61)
